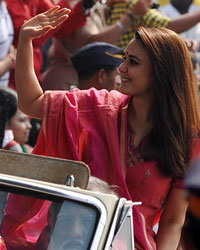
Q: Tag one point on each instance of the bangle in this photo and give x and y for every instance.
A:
(133, 20)
(120, 26)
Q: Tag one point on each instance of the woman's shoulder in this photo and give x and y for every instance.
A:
(91, 97)
(105, 99)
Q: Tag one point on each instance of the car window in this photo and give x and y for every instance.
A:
(73, 226)
(124, 238)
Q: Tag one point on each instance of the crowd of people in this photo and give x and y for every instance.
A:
(116, 86)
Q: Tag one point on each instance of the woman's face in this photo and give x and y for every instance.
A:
(21, 126)
(136, 71)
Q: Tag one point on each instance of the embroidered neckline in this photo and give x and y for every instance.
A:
(134, 154)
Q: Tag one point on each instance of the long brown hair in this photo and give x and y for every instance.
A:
(176, 114)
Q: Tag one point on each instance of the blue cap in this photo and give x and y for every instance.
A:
(97, 55)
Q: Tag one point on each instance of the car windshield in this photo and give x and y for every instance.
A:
(59, 223)
(73, 226)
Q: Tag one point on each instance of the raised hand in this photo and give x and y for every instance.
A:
(140, 8)
(42, 23)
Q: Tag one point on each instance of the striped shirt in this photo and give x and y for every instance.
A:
(152, 18)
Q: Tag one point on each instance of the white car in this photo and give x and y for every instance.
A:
(80, 219)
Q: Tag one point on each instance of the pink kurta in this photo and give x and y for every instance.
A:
(91, 126)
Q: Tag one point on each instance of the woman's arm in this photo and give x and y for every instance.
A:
(172, 221)
(28, 88)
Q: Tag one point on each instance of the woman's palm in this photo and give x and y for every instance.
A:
(42, 23)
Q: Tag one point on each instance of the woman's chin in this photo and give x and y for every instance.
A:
(124, 90)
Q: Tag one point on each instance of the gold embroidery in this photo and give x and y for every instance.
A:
(134, 155)
(147, 174)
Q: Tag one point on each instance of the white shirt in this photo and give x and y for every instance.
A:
(6, 38)
(172, 12)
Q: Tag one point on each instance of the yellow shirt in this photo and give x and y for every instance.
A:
(152, 18)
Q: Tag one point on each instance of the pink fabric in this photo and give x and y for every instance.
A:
(21, 216)
(86, 126)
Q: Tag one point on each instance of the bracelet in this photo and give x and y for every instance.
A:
(120, 26)
(133, 20)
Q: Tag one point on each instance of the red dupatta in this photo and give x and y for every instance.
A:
(84, 125)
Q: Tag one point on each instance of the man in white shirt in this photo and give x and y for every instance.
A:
(7, 51)
(178, 7)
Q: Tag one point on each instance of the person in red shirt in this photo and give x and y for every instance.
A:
(22, 10)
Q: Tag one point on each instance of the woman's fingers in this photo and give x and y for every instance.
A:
(52, 10)
(54, 17)
(55, 11)
(52, 24)
(59, 14)
(59, 20)
(42, 23)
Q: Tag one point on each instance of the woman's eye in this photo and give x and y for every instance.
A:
(133, 62)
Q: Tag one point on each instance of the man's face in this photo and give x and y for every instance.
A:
(73, 228)
(112, 80)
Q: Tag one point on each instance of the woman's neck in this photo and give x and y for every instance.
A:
(140, 109)
(140, 118)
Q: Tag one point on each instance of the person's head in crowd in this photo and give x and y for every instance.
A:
(97, 65)
(8, 108)
(157, 66)
(192, 224)
(182, 5)
(21, 127)
(97, 185)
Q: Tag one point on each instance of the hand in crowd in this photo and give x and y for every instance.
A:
(191, 44)
(140, 8)
(12, 54)
(42, 23)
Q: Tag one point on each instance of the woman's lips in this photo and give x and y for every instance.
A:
(125, 79)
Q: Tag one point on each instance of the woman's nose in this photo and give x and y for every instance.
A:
(123, 67)
(28, 124)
